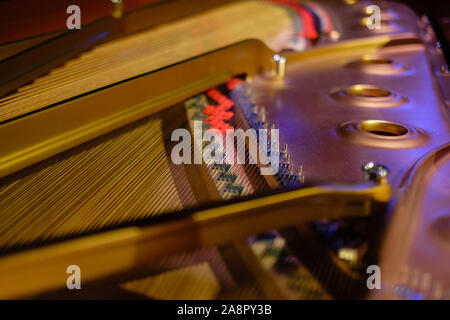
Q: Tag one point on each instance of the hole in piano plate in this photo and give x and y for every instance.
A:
(377, 61)
(382, 134)
(377, 65)
(368, 92)
(366, 95)
(383, 128)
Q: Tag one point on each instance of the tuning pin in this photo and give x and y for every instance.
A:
(117, 8)
(261, 112)
(334, 35)
(280, 66)
(291, 169)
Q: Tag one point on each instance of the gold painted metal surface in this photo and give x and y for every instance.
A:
(313, 124)
(311, 121)
(316, 129)
(111, 180)
(61, 127)
(151, 50)
(122, 249)
(416, 253)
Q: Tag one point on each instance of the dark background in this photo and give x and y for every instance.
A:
(21, 19)
(438, 11)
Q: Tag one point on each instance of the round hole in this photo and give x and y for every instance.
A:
(381, 134)
(368, 92)
(383, 128)
(377, 61)
(366, 95)
(377, 65)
